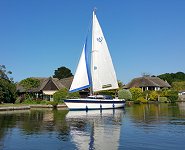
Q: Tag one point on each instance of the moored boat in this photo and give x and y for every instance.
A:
(99, 75)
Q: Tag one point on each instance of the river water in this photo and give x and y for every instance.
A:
(150, 126)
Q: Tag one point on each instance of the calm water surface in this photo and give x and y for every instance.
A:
(154, 126)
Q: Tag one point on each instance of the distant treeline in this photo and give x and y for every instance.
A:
(173, 77)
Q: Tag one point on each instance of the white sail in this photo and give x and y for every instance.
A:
(102, 69)
(81, 79)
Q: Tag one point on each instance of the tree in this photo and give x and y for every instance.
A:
(4, 73)
(120, 84)
(178, 85)
(7, 87)
(173, 77)
(62, 72)
(30, 83)
(172, 95)
(60, 95)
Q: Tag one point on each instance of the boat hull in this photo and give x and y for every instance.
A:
(92, 104)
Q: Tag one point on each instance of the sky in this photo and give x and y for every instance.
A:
(143, 36)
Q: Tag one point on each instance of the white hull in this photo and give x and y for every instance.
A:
(92, 104)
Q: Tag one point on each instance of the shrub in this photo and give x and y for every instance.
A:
(146, 94)
(60, 95)
(153, 96)
(142, 100)
(163, 99)
(136, 93)
(172, 96)
(124, 94)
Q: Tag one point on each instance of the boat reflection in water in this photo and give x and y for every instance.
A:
(95, 129)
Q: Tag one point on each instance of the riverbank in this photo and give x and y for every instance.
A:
(8, 107)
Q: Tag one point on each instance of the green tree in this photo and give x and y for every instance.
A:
(1, 94)
(173, 77)
(7, 91)
(62, 72)
(7, 87)
(30, 83)
(120, 84)
(172, 95)
(4, 73)
(60, 95)
(136, 93)
(178, 85)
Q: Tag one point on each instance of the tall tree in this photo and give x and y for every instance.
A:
(7, 87)
(62, 72)
(4, 73)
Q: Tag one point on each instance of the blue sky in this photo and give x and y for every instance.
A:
(144, 36)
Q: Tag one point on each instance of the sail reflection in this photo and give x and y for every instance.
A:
(95, 129)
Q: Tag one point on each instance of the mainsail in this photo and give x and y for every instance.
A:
(102, 69)
(102, 75)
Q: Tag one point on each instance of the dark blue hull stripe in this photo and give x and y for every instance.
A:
(78, 109)
(94, 101)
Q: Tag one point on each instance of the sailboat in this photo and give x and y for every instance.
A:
(97, 74)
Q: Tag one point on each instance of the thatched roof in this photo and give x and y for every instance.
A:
(67, 82)
(147, 82)
(48, 84)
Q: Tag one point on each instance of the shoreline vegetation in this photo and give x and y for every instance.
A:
(11, 106)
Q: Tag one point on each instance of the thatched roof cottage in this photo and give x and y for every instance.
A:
(47, 87)
(147, 83)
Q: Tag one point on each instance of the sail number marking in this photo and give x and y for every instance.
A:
(100, 39)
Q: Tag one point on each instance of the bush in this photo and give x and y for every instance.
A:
(163, 99)
(142, 100)
(153, 96)
(172, 95)
(136, 93)
(124, 94)
(60, 95)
